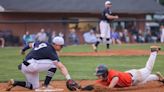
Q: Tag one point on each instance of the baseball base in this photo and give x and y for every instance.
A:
(50, 90)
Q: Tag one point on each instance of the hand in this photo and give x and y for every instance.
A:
(22, 52)
(116, 17)
(72, 85)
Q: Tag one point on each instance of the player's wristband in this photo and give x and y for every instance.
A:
(67, 77)
(25, 48)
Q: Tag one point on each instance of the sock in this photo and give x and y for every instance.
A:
(49, 76)
(23, 84)
(107, 46)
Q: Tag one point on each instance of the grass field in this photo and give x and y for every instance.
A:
(79, 67)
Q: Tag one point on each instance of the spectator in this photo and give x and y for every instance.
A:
(90, 37)
(148, 37)
(42, 36)
(73, 38)
(2, 42)
(61, 34)
(162, 33)
(134, 34)
(115, 37)
(141, 38)
(53, 34)
(26, 38)
(126, 37)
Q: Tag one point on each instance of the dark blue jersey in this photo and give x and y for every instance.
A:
(42, 50)
(103, 15)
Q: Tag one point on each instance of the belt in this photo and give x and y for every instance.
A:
(132, 78)
(130, 74)
(26, 63)
(105, 21)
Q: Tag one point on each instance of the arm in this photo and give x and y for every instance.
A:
(113, 82)
(111, 16)
(63, 70)
(30, 45)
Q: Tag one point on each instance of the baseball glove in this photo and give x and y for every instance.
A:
(88, 88)
(72, 85)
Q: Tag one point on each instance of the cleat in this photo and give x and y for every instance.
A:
(161, 78)
(10, 84)
(94, 47)
(155, 48)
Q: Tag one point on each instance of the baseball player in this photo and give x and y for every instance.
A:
(105, 31)
(113, 78)
(42, 57)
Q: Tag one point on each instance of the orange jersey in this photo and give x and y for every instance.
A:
(125, 79)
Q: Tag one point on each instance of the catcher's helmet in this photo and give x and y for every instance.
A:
(101, 70)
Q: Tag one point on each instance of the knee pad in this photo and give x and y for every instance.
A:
(108, 40)
(101, 38)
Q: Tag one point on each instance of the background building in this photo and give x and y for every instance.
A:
(19, 16)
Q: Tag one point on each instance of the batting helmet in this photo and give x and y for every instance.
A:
(101, 70)
(58, 40)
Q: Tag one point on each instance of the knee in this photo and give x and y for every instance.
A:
(35, 86)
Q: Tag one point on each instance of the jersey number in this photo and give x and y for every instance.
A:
(42, 45)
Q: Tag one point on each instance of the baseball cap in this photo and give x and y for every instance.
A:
(58, 40)
(107, 2)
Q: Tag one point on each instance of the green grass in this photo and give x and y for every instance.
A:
(88, 48)
(79, 67)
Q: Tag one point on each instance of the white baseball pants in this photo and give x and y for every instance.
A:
(143, 75)
(31, 71)
(105, 29)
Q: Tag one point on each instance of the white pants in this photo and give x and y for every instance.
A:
(105, 29)
(143, 75)
(31, 71)
(162, 38)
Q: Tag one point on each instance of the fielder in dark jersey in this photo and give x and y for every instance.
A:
(105, 31)
(42, 57)
(42, 50)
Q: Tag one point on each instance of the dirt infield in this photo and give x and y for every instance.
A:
(153, 86)
(111, 53)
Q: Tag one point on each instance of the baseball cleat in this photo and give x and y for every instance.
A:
(94, 47)
(10, 84)
(161, 78)
(155, 48)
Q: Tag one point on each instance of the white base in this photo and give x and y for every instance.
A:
(49, 90)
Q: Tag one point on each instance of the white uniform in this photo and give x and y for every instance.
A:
(105, 29)
(143, 75)
(162, 35)
(31, 72)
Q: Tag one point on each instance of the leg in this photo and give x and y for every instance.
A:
(108, 35)
(141, 75)
(145, 72)
(46, 65)
(49, 76)
(108, 43)
(151, 77)
(96, 44)
(31, 83)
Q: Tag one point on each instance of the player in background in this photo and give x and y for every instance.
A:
(42, 57)
(105, 30)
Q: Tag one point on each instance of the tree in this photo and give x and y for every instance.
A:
(161, 2)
